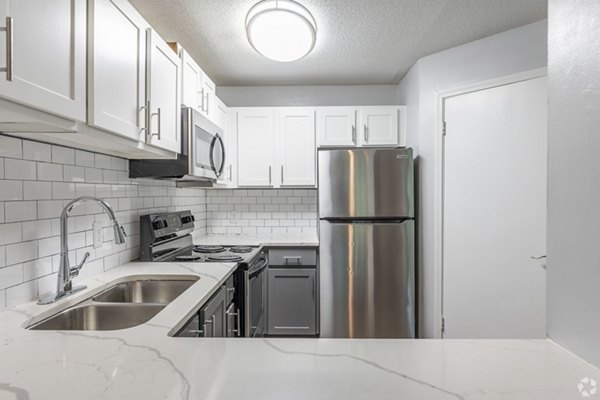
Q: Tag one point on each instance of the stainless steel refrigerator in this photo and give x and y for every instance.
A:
(366, 233)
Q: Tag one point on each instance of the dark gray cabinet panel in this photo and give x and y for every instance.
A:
(292, 301)
(212, 315)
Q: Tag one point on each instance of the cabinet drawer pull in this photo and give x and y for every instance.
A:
(366, 134)
(288, 258)
(157, 134)
(9, 49)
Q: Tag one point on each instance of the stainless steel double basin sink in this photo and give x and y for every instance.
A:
(124, 305)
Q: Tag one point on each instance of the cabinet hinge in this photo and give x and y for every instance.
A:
(444, 128)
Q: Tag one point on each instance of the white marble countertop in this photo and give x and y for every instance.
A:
(145, 363)
(265, 240)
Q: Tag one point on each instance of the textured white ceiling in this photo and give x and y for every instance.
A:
(358, 41)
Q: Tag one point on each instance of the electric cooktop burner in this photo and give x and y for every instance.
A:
(241, 249)
(188, 258)
(224, 258)
(209, 249)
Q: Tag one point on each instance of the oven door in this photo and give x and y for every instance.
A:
(256, 300)
(206, 147)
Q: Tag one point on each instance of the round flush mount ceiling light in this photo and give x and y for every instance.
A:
(281, 30)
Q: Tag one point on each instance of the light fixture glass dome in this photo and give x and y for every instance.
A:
(281, 30)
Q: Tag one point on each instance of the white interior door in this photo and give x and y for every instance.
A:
(495, 212)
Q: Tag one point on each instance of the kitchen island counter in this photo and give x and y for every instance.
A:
(146, 363)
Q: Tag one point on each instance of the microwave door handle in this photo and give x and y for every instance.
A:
(211, 155)
(223, 155)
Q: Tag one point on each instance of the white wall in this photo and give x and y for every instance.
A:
(574, 176)
(307, 96)
(37, 180)
(499, 55)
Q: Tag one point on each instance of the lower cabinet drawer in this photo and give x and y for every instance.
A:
(293, 256)
(292, 305)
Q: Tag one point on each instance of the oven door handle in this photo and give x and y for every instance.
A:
(258, 270)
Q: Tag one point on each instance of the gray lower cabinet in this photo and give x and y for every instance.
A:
(213, 316)
(292, 301)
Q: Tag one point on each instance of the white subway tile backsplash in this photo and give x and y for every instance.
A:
(11, 190)
(49, 172)
(11, 276)
(20, 211)
(73, 174)
(36, 190)
(19, 252)
(63, 155)
(267, 211)
(30, 211)
(10, 233)
(84, 158)
(11, 147)
(37, 151)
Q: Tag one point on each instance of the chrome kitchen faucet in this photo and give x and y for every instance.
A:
(64, 286)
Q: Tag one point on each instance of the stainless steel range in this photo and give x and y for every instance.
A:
(166, 237)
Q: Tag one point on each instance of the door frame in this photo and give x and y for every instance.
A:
(438, 196)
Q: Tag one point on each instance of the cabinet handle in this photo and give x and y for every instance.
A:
(157, 134)
(207, 102)
(366, 134)
(147, 116)
(230, 173)
(270, 176)
(313, 289)
(282, 174)
(237, 321)
(354, 134)
(288, 258)
(210, 321)
(9, 49)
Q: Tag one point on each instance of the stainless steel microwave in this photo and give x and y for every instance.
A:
(202, 156)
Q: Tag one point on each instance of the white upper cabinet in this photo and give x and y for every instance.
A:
(378, 126)
(117, 68)
(163, 77)
(297, 150)
(221, 112)
(46, 67)
(361, 126)
(191, 87)
(209, 93)
(255, 131)
(336, 126)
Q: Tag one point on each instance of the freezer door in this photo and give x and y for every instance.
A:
(367, 280)
(366, 183)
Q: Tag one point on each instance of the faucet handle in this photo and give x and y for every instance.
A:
(75, 270)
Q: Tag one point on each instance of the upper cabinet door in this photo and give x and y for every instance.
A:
(378, 126)
(163, 74)
(46, 67)
(255, 147)
(191, 86)
(336, 126)
(209, 93)
(297, 150)
(117, 68)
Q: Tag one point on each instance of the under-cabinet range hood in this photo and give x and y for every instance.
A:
(202, 158)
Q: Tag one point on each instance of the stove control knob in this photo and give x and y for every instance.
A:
(159, 224)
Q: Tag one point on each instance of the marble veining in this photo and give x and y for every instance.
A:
(145, 363)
